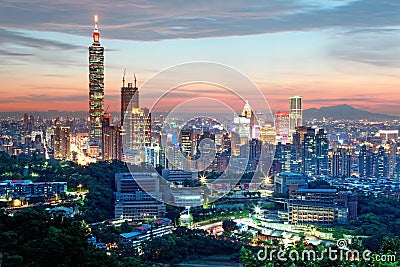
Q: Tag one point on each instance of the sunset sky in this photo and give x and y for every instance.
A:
(330, 52)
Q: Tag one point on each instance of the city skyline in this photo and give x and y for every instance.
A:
(328, 53)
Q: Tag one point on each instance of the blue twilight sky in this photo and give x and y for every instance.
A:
(328, 51)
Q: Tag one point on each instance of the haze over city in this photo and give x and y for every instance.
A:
(330, 52)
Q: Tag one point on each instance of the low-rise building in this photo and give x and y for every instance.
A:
(146, 232)
(27, 188)
(321, 206)
(287, 181)
(134, 199)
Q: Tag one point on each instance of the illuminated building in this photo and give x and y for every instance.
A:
(152, 154)
(61, 140)
(186, 141)
(133, 200)
(285, 155)
(341, 161)
(136, 123)
(295, 114)
(242, 129)
(381, 163)
(321, 206)
(321, 150)
(128, 94)
(365, 161)
(96, 87)
(141, 128)
(285, 182)
(298, 139)
(282, 126)
(389, 135)
(226, 142)
(268, 134)
(111, 140)
(315, 152)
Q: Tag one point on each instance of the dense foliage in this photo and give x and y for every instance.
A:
(98, 178)
(377, 217)
(186, 243)
(302, 255)
(33, 238)
(229, 225)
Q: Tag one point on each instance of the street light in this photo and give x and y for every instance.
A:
(203, 179)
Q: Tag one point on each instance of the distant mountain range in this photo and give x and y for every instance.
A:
(344, 112)
(340, 112)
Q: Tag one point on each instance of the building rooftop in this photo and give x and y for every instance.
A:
(131, 234)
(292, 174)
(333, 190)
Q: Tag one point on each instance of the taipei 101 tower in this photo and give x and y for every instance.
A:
(96, 87)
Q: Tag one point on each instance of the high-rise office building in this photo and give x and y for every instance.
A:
(315, 152)
(186, 141)
(128, 94)
(282, 126)
(298, 139)
(381, 163)
(141, 128)
(242, 129)
(111, 140)
(26, 119)
(61, 141)
(96, 87)
(308, 160)
(365, 162)
(268, 134)
(322, 146)
(340, 162)
(285, 155)
(295, 114)
(336, 164)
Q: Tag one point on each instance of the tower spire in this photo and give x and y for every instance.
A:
(96, 28)
(134, 76)
(96, 33)
(123, 79)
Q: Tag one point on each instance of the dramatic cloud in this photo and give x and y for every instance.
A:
(157, 20)
(379, 47)
(16, 37)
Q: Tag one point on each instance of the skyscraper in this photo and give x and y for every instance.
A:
(381, 163)
(308, 154)
(141, 129)
(186, 141)
(296, 114)
(112, 139)
(96, 86)
(321, 150)
(128, 94)
(365, 161)
(315, 152)
(62, 141)
(282, 126)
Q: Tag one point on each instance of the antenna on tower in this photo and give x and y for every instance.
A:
(134, 76)
(123, 78)
(107, 109)
(95, 22)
